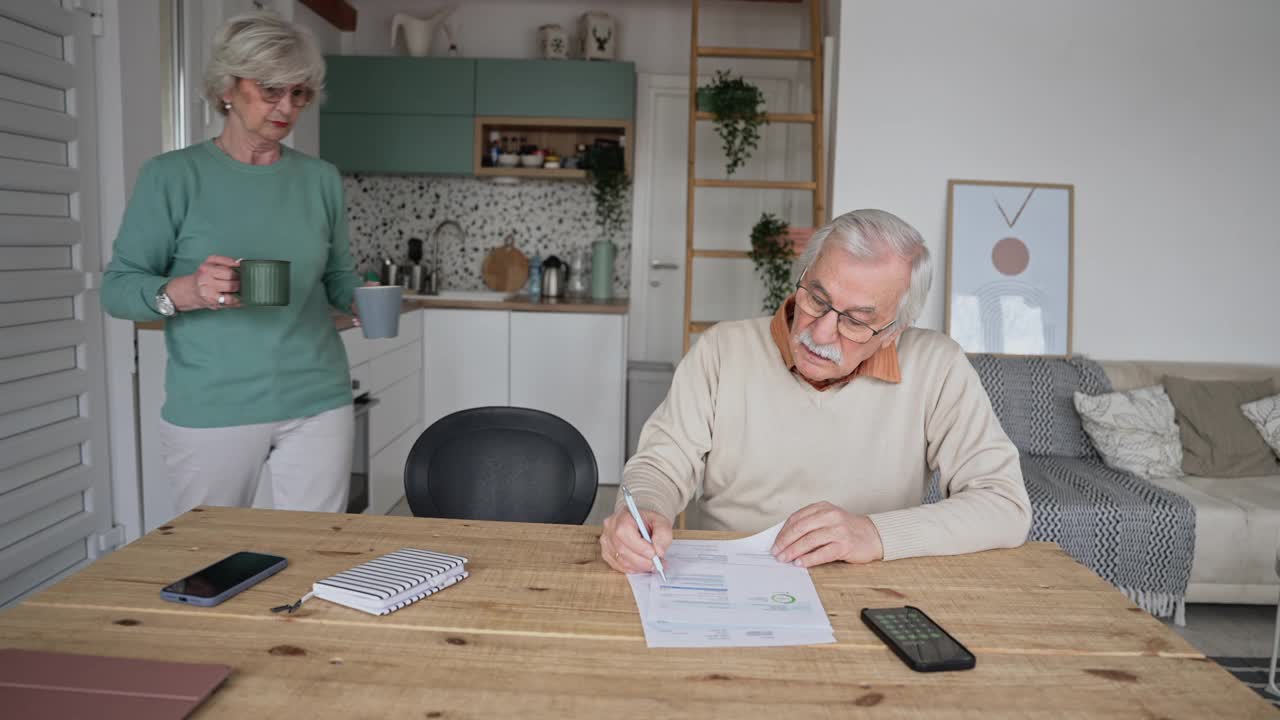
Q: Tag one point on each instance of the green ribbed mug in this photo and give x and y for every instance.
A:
(264, 282)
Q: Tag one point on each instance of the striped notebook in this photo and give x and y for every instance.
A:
(390, 582)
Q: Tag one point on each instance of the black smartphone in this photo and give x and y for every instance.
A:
(921, 643)
(223, 579)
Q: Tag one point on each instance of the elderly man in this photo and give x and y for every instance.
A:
(831, 415)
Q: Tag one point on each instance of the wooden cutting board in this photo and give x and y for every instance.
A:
(505, 268)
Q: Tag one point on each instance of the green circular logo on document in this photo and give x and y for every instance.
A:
(784, 598)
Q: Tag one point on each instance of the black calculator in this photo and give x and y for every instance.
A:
(921, 643)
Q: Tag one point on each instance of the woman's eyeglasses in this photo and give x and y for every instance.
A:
(300, 96)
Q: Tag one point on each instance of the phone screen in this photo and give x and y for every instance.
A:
(920, 638)
(223, 575)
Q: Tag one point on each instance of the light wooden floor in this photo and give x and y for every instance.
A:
(1215, 630)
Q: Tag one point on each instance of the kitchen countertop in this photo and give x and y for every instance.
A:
(527, 303)
(524, 303)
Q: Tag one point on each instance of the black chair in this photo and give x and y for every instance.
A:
(501, 463)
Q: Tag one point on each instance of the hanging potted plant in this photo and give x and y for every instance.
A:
(609, 185)
(772, 252)
(738, 107)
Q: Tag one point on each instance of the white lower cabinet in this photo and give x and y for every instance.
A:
(465, 360)
(572, 365)
(386, 471)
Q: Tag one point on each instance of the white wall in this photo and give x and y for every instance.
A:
(306, 133)
(1162, 113)
(654, 34)
(130, 131)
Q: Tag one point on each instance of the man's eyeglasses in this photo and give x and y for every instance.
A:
(849, 327)
(300, 96)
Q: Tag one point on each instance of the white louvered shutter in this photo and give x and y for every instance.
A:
(55, 495)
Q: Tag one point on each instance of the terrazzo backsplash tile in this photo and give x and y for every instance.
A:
(547, 217)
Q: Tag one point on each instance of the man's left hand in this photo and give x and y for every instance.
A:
(822, 533)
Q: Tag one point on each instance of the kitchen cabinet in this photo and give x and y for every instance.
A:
(572, 365)
(411, 115)
(392, 85)
(399, 114)
(466, 360)
(405, 144)
(556, 89)
(389, 369)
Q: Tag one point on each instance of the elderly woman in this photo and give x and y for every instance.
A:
(246, 385)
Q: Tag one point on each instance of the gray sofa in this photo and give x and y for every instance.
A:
(1163, 542)
(1134, 534)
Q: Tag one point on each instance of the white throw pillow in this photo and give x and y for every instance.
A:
(1265, 414)
(1134, 431)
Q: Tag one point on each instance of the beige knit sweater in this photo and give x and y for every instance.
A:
(763, 443)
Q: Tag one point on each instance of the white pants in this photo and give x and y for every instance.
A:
(310, 461)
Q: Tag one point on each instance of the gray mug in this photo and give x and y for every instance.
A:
(379, 310)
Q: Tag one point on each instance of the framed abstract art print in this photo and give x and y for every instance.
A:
(1009, 266)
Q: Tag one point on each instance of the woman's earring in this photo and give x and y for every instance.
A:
(226, 105)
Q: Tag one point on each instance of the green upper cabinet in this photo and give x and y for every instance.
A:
(556, 89)
(400, 85)
(410, 144)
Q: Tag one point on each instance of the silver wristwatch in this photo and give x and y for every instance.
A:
(164, 304)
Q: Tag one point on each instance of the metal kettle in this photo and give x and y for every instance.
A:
(553, 277)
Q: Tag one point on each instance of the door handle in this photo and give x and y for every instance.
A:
(660, 265)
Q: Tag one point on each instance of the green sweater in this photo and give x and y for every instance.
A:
(240, 366)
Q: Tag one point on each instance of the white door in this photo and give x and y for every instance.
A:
(55, 495)
(722, 289)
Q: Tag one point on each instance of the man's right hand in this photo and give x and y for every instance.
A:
(200, 290)
(624, 549)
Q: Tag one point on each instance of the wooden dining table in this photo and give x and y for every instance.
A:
(543, 628)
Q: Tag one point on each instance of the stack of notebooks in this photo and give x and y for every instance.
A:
(390, 582)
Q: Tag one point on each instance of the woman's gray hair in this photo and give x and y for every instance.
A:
(263, 46)
(869, 234)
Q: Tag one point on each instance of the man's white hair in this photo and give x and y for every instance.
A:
(264, 47)
(870, 234)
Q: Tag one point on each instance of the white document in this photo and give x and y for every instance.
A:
(729, 594)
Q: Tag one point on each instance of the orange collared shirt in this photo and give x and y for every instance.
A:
(882, 365)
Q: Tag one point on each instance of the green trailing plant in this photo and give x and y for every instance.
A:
(773, 256)
(738, 107)
(609, 185)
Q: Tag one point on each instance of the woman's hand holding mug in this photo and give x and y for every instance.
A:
(211, 287)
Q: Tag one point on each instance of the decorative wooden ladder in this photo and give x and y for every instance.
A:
(816, 185)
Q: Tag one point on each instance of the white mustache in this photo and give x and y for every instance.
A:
(831, 352)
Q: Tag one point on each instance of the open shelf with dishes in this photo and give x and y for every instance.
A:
(532, 147)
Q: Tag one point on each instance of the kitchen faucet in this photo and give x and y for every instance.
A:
(435, 251)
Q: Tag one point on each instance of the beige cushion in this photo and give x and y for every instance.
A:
(1259, 498)
(1134, 431)
(1222, 553)
(1130, 374)
(1265, 415)
(1217, 439)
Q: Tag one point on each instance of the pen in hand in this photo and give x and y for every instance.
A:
(644, 530)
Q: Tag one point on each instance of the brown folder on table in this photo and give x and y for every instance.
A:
(36, 684)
